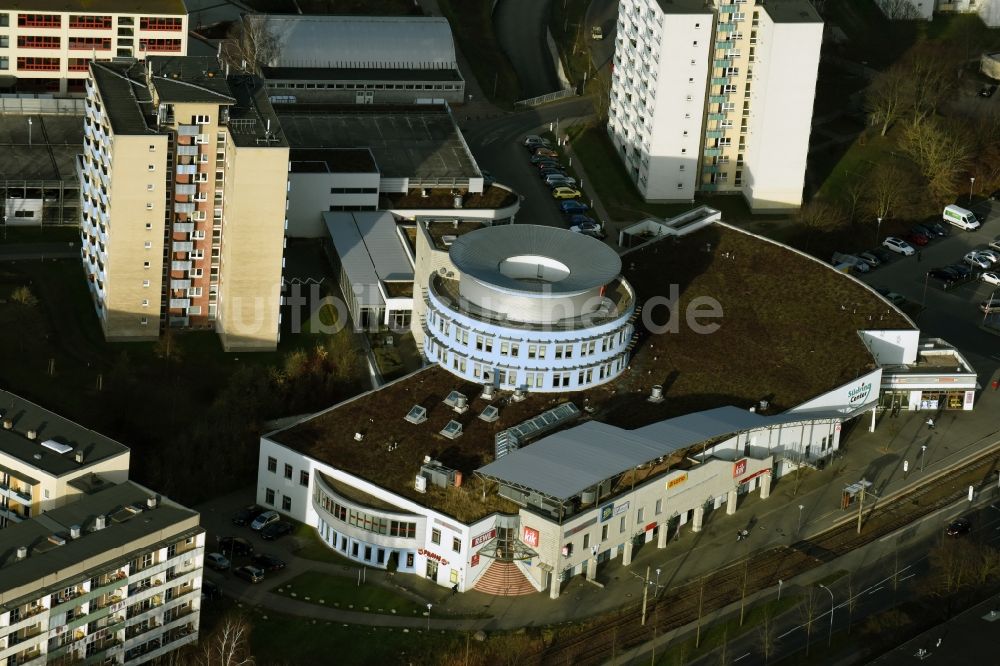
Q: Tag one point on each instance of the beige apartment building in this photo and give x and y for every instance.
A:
(47, 44)
(184, 179)
(47, 461)
(111, 578)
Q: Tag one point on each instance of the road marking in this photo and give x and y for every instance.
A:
(876, 590)
(907, 578)
(743, 657)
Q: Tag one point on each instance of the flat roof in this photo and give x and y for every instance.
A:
(145, 7)
(590, 263)
(116, 542)
(684, 7)
(361, 74)
(791, 11)
(26, 415)
(407, 141)
(331, 160)
(370, 251)
(55, 143)
(127, 100)
(789, 333)
(362, 41)
(384, 245)
(189, 79)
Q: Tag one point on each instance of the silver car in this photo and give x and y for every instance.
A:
(898, 245)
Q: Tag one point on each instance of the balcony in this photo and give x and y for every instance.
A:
(723, 62)
(188, 130)
(180, 265)
(183, 227)
(718, 99)
(716, 116)
(729, 9)
(721, 80)
(186, 189)
(711, 168)
(182, 246)
(184, 208)
(713, 152)
(715, 133)
(189, 151)
(727, 27)
(187, 169)
(180, 284)
(180, 303)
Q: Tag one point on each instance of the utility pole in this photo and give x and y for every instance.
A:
(861, 504)
(645, 595)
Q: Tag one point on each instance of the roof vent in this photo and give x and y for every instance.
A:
(656, 394)
(7, 424)
(519, 395)
(488, 392)
(457, 401)
(448, 240)
(37, 456)
(417, 414)
(74, 531)
(57, 540)
(100, 522)
(31, 434)
(490, 414)
(151, 502)
(420, 484)
(78, 456)
(427, 459)
(358, 436)
(22, 552)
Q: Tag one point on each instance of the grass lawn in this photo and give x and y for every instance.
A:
(472, 25)
(311, 547)
(344, 592)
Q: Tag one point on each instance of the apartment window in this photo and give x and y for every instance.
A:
(436, 536)
(150, 23)
(303, 478)
(142, 322)
(145, 264)
(586, 541)
(4, 62)
(200, 120)
(729, 88)
(145, 303)
(38, 64)
(149, 206)
(288, 471)
(269, 496)
(680, 168)
(659, 506)
(150, 167)
(39, 20)
(149, 187)
(693, 62)
(621, 525)
(80, 21)
(639, 514)
(4, 20)
(272, 464)
(37, 42)
(160, 45)
(732, 71)
(148, 245)
(604, 533)
(90, 43)
(680, 186)
(145, 283)
(456, 545)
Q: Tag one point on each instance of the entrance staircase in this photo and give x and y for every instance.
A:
(504, 579)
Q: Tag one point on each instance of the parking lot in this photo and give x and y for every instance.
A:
(953, 313)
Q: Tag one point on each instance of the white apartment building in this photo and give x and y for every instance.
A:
(47, 44)
(715, 98)
(112, 578)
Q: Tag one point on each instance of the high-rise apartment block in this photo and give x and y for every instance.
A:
(715, 98)
(183, 178)
(47, 44)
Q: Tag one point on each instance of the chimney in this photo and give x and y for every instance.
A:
(7, 424)
(78, 456)
(151, 502)
(99, 523)
(31, 434)
(22, 552)
(74, 531)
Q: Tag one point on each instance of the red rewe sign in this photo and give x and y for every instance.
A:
(739, 468)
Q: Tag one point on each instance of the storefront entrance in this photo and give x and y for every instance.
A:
(942, 400)
(432, 570)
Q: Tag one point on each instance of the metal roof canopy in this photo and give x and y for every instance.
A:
(370, 251)
(565, 464)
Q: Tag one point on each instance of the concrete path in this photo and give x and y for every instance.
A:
(522, 27)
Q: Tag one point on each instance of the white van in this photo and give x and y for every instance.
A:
(961, 218)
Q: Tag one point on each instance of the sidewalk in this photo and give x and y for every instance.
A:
(877, 457)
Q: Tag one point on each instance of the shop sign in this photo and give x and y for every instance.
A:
(677, 480)
(433, 556)
(475, 560)
(739, 468)
(859, 394)
(753, 476)
(529, 536)
(650, 526)
(969, 397)
(483, 538)
(607, 511)
(621, 508)
(582, 526)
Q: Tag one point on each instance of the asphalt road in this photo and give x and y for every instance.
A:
(521, 27)
(497, 146)
(952, 315)
(605, 14)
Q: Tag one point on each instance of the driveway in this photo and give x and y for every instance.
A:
(605, 14)
(521, 27)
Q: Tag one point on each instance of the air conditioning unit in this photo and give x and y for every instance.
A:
(420, 484)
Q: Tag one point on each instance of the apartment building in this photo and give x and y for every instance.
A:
(715, 98)
(112, 578)
(47, 44)
(183, 178)
(47, 461)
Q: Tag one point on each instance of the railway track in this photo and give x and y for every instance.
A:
(601, 638)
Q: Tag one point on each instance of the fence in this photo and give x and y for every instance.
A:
(550, 97)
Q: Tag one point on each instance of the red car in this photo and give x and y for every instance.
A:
(917, 238)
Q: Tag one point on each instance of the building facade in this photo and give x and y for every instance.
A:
(532, 308)
(698, 94)
(184, 184)
(113, 578)
(47, 46)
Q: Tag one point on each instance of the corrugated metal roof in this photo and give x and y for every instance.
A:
(385, 247)
(568, 462)
(354, 259)
(590, 262)
(371, 42)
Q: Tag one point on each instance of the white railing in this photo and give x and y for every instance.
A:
(550, 97)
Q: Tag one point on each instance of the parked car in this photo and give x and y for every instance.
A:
(977, 260)
(995, 243)
(891, 296)
(580, 218)
(565, 193)
(917, 238)
(275, 531)
(572, 207)
(589, 229)
(938, 228)
(963, 272)
(249, 573)
(552, 171)
(947, 278)
(265, 519)
(882, 253)
(210, 590)
(247, 515)
(959, 527)
(558, 180)
(960, 217)
(990, 306)
(549, 163)
(992, 255)
(235, 546)
(925, 230)
(539, 156)
(217, 561)
(898, 245)
(547, 152)
(869, 258)
(987, 91)
(990, 278)
(267, 562)
(533, 141)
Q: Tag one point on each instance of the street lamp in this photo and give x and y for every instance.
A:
(830, 639)
(801, 506)
(878, 228)
(780, 583)
(29, 132)
(972, 181)
(429, 616)
(923, 448)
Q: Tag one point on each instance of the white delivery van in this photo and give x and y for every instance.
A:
(961, 218)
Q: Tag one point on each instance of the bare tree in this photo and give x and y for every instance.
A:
(888, 96)
(250, 45)
(885, 191)
(933, 75)
(852, 601)
(766, 634)
(942, 151)
(229, 644)
(701, 599)
(898, 10)
(808, 609)
(819, 215)
(854, 193)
